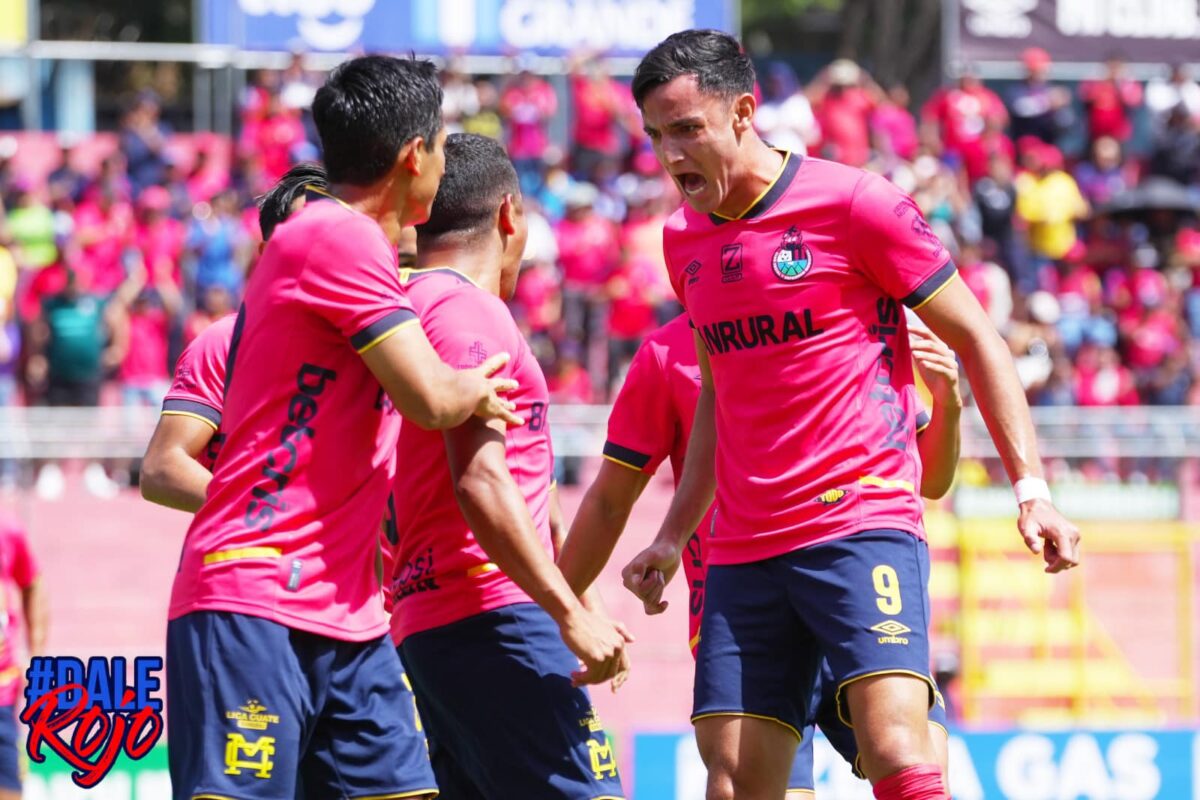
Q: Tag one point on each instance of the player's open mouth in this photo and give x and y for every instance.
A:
(692, 183)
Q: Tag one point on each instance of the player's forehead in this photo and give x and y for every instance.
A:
(677, 100)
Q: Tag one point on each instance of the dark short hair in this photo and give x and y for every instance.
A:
(716, 59)
(276, 205)
(478, 175)
(370, 108)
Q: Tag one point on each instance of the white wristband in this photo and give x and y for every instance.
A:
(1031, 489)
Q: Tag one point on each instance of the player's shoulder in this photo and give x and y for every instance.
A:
(219, 334)
(669, 336)
(446, 295)
(831, 177)
(330, 224)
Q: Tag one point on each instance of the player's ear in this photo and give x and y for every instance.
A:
(507, 215)
(743, 112)
(412, 155)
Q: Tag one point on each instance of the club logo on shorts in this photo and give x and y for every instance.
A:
(693, 271)
(832, 497)
(241, 753)
(893, 632)
(793, 259)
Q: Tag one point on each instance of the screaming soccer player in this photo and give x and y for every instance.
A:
(792, 272)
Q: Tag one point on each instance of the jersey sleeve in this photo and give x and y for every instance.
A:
(198, 388)
(674, 274)
(641, 426)
(351, 280)
(894, 245)
(490, 330)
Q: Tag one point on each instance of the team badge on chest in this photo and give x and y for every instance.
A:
(792, 259)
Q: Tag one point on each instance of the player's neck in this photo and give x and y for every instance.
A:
(759, 169)
(373, 201)
(480, 263)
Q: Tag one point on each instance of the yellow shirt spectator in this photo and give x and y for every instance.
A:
(1050, 203)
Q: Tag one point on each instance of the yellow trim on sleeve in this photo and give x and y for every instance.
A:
(385, 334)
(623, 463)
(308, 187)
(837, 697)
(205, 420)
(694, 641)
(241, 552)
(937, 291)
(418, 793)
(417, 270)
(787, 155)
(481, 569)
(776, 720)
(886, 483)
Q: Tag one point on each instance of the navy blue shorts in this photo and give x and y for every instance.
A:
(259, 711)
(860, 603)
(10, 753)
(503, 720)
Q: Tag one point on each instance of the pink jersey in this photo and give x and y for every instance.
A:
(651, 421)
(18, 571)
(798, 305)
(439, 572)
(290, 528)
(198, 389)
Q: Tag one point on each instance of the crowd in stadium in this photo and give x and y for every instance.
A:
(1085, 256)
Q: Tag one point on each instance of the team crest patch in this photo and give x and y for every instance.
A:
(793, 259)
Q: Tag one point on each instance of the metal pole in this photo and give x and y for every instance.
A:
(32, 107)
(951, 50)
(202, 86)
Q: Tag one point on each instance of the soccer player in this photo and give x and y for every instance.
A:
(279, 669)
(180, 455)
(489, 631)
(793, 271)
(650, 423)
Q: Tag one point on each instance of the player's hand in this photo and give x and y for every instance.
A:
(598, 642)
(491, 405)
(648, 574)
(1048, 532)
(937, 365)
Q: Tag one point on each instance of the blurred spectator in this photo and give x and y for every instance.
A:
(1049, 201)
(894, 126)
(528, 103)
(143, 142)
(70, 345)
(31, 226)
(460, 99)
(1105, 174)
(1101, 379)
(104, 230)
(214, 303)
(1179, 89)
(218, 244)
(1110, 102)
(486, 119)
(588, 248)
(962, 114)
(279, 135)
(995, 197)
(785, 117)
(141, 317)
(843, 97)
(1176, 153)
(65, 180)
(159, 237)
(1037, 108)
(599, 106)
(10, 353)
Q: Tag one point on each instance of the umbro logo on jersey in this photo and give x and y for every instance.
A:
(693, 271)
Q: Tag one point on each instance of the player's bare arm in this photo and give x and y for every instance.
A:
(172, 475)
(956, 316)
(430, 393)
(652, 569)
(939, 442)
(493, 506)
(598, 523)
